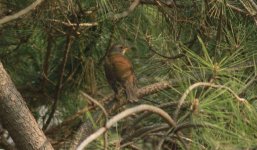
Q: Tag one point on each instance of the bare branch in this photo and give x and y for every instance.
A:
(20, 13)
(123, 115)
(69, 24)
(144, 91)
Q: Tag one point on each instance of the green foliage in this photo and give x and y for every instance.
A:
(218, 46)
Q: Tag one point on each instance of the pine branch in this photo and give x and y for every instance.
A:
(20, 13)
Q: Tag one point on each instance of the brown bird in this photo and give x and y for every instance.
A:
(119, 72)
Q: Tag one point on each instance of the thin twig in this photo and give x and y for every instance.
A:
(109, 44)
(47, 59)
(154, 51)
(59, 84)
(95, 102)
(192, 125)
(105, 113)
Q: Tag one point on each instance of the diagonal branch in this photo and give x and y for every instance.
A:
(144, 91)
(127, 12)
(20, 13)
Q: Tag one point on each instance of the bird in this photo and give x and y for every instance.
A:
(119, 72)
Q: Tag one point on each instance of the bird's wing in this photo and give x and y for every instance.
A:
(122, 67)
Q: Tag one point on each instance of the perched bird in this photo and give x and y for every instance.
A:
(119, 72)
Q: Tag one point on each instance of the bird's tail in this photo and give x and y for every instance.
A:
(131, 93)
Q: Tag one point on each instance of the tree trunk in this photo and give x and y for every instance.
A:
(17, 119)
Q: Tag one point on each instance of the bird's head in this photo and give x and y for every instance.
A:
(117, 48)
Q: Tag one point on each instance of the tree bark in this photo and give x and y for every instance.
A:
(17, 119)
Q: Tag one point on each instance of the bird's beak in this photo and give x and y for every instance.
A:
(124, 50)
